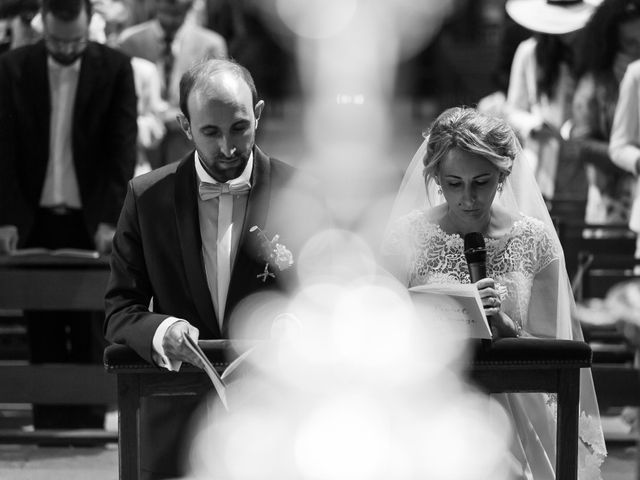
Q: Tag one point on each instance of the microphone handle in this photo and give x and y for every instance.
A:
(477, 271)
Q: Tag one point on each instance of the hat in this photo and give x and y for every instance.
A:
(551, 16)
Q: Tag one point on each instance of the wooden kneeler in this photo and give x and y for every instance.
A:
(505, 365)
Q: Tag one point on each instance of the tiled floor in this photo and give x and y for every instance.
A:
(34, 463)
(29, 462)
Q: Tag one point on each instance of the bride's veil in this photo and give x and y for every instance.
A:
(520, 193)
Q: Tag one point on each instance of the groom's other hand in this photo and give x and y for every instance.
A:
(174, 345)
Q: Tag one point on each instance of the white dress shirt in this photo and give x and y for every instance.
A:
(220, 218)
(624, 142)
(61, 182)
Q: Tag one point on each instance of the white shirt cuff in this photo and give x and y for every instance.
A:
(625, 156)
(159, 356)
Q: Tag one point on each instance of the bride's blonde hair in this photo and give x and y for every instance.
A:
(472, 131)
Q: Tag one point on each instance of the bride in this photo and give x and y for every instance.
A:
(468, 176)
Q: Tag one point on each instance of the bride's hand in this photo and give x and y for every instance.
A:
(501, 324)
(489, 296)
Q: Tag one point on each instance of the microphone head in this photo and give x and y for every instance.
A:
(474, 248)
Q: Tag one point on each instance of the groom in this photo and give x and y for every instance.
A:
(183, 243)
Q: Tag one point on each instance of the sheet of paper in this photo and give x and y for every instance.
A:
(453, 303)
(210, 370)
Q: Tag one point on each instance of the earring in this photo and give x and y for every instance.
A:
(439, 191)
(500, 187)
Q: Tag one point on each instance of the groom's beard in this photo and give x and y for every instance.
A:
(224, 168)
(65, 59)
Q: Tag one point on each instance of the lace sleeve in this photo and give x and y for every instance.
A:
(545, 307)
(547, 250)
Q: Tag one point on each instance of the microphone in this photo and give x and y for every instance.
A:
(475, 253)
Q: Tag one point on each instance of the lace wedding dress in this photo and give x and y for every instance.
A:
(527, 261)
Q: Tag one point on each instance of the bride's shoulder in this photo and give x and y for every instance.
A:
(534, 230)
(509, 223)
(532, 226)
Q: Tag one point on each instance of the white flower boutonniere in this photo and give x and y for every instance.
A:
(276, 255)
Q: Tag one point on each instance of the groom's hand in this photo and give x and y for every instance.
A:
(174, 345)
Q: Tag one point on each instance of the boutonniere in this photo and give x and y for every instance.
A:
(275, 255)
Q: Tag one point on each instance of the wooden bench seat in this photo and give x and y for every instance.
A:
(46, 282)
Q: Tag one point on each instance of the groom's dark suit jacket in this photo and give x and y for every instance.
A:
(103, 133)
(157, 253)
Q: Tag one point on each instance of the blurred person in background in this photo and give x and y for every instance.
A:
(67, 137)
(624, 144)
(511, 35)
(542, 82)
(151, 106)
(173, 47)
(117, 16)
(96, 22)
(17, 15)
(260, 42)
(609, 42)
(469, 176)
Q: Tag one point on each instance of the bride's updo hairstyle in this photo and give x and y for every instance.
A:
(472, 131)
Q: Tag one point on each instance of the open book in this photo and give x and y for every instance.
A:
(454, 303)
(217, 379)
(60, 252)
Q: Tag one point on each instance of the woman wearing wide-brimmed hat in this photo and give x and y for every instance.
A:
(542, 80)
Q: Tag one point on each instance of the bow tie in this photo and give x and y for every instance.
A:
(208, 190)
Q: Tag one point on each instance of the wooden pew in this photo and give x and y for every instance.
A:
(577, 236)
(44, 282)
(597, 275)
(505, 365)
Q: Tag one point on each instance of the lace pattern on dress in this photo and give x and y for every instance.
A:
(431, 255)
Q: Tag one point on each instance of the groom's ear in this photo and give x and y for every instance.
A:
(184, 125)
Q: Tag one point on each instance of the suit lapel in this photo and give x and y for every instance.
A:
(37, 77)
(256, 214)
(89, 81)
(259, 196)
(186, 211)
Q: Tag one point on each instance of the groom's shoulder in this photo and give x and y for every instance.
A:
(285, 175)
(289, 177)
(279, 169)
(158, 177)
(282, 168)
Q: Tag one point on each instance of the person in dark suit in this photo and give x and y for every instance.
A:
(173, 44)
(67, 149)
(185, 243)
